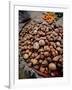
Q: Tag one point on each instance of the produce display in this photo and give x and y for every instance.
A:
(41, 46)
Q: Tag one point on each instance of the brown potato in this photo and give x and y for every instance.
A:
(46, 54)
(41, 42)
(36, 45)
(58, 43)
(34, 61)
(56, 58)
(46, 48)
(52, 66)
(25, 56)
(45, 63)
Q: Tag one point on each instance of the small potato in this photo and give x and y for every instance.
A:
(41, 42)
(43, 38)
(30, 36)
(36, 45)
(41, 33)
(27, 51)
(46, 41)
(59, 38)
(38, 57)
(56, 30)
(41, 53)
(26, 56)
(61, 60)
(56, 52)
(54, 33)
(46, 54)
(35, 54)
(56, 58)
(51, 47)
(34, 61)
(30, 53)
(41, 50)
(28, 42)
(46, 48)
(58, 43)
(37, 39)
(58, 49)
(53, 53)
(52, 50)
(40, 61)
(52, 66)
(37, 36)
(25, 47)
(45, 62)
(49, 59)
(35, 32)
(30, 47)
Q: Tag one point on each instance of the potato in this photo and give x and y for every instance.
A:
(46, 54)
(40, 61)
(25, 56)
(36, 45)
(41, 42)
(34, 61)
(45, 62)
(56, 58)
(58, 43)
(46, 48)
(52, 66)
(58, 49)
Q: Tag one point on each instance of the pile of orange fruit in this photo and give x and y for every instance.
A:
(50, 17)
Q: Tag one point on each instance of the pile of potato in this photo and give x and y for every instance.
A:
(41, 46)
